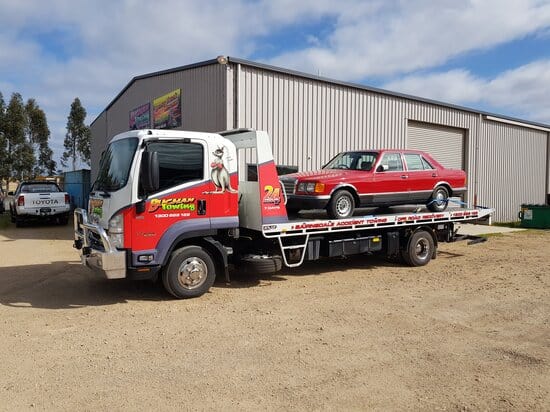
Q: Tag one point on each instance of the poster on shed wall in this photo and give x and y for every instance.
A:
(140, 118)
(167, 110)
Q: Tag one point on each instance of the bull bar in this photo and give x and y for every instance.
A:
(109, 261)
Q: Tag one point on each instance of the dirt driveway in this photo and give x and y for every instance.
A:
(468, 332)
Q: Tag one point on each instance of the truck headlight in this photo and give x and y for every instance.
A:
(116, 231)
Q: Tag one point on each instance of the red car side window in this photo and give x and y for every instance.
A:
(427, 164)
(393, 161)
(414, 161)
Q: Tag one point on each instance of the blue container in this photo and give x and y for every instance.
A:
(77, 185)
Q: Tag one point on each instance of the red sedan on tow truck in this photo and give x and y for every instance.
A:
(374, 178)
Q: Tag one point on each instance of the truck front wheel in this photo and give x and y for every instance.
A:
(420, 249)
(189, 273)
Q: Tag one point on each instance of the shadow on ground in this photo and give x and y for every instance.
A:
(34, 230)
(66, 285)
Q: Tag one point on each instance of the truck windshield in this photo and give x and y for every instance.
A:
(114, 165)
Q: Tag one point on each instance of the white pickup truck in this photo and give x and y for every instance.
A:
(39, 200)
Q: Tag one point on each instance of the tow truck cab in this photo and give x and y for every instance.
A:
(157, 191)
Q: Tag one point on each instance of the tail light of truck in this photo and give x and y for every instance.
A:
(21, 201)
(67, 199)
(116, 230)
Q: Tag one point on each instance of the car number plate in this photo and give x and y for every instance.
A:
(45, 210)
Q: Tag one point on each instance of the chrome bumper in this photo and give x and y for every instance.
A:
(99, 255)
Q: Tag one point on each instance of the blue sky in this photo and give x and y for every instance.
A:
(492, 55)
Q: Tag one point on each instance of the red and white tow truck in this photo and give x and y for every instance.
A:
(184, 206)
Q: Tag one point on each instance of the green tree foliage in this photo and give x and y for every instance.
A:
(38, 134)
(3, 151)
(24, 136)
(77, 138)
(19, 155)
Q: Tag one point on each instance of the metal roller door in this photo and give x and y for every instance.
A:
(445, 144)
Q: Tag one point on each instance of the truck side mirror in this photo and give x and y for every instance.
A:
(149, 173)
(382, 168)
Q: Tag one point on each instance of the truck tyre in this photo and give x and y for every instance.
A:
(261, 264)
(190, 272)
(439, 200)
(420, 249)
(341, 205)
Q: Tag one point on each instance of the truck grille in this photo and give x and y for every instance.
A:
(289, 185)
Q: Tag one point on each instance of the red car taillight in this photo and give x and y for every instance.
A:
(67, 199)
(21, 201)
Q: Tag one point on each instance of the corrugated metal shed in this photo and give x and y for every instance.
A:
(311, 119)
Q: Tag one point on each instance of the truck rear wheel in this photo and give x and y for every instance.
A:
(190, 272)
(420, 249)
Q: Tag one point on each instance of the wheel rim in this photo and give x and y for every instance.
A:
(192, 273)
(440, 197)
(422, 249)
(343, 206)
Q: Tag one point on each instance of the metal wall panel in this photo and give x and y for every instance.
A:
(445, 144)
(203, 98)
(312, 121)
(512, 167)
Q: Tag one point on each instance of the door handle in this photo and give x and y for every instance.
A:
(201, 206)
(434, 174)
(404, 176)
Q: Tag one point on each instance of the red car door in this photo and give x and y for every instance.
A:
(391, 181)
(422, 177)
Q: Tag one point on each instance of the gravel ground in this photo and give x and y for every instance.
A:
(470, 331)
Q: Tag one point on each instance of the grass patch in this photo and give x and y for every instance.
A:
(490, 235)
(515, 224)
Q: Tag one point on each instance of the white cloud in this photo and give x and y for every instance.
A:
(457, 86)
(526, 86)
(400, 37)
(523, 90)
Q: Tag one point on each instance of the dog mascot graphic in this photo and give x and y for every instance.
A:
(219, 174)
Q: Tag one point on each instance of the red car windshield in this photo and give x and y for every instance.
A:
(353, 161)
